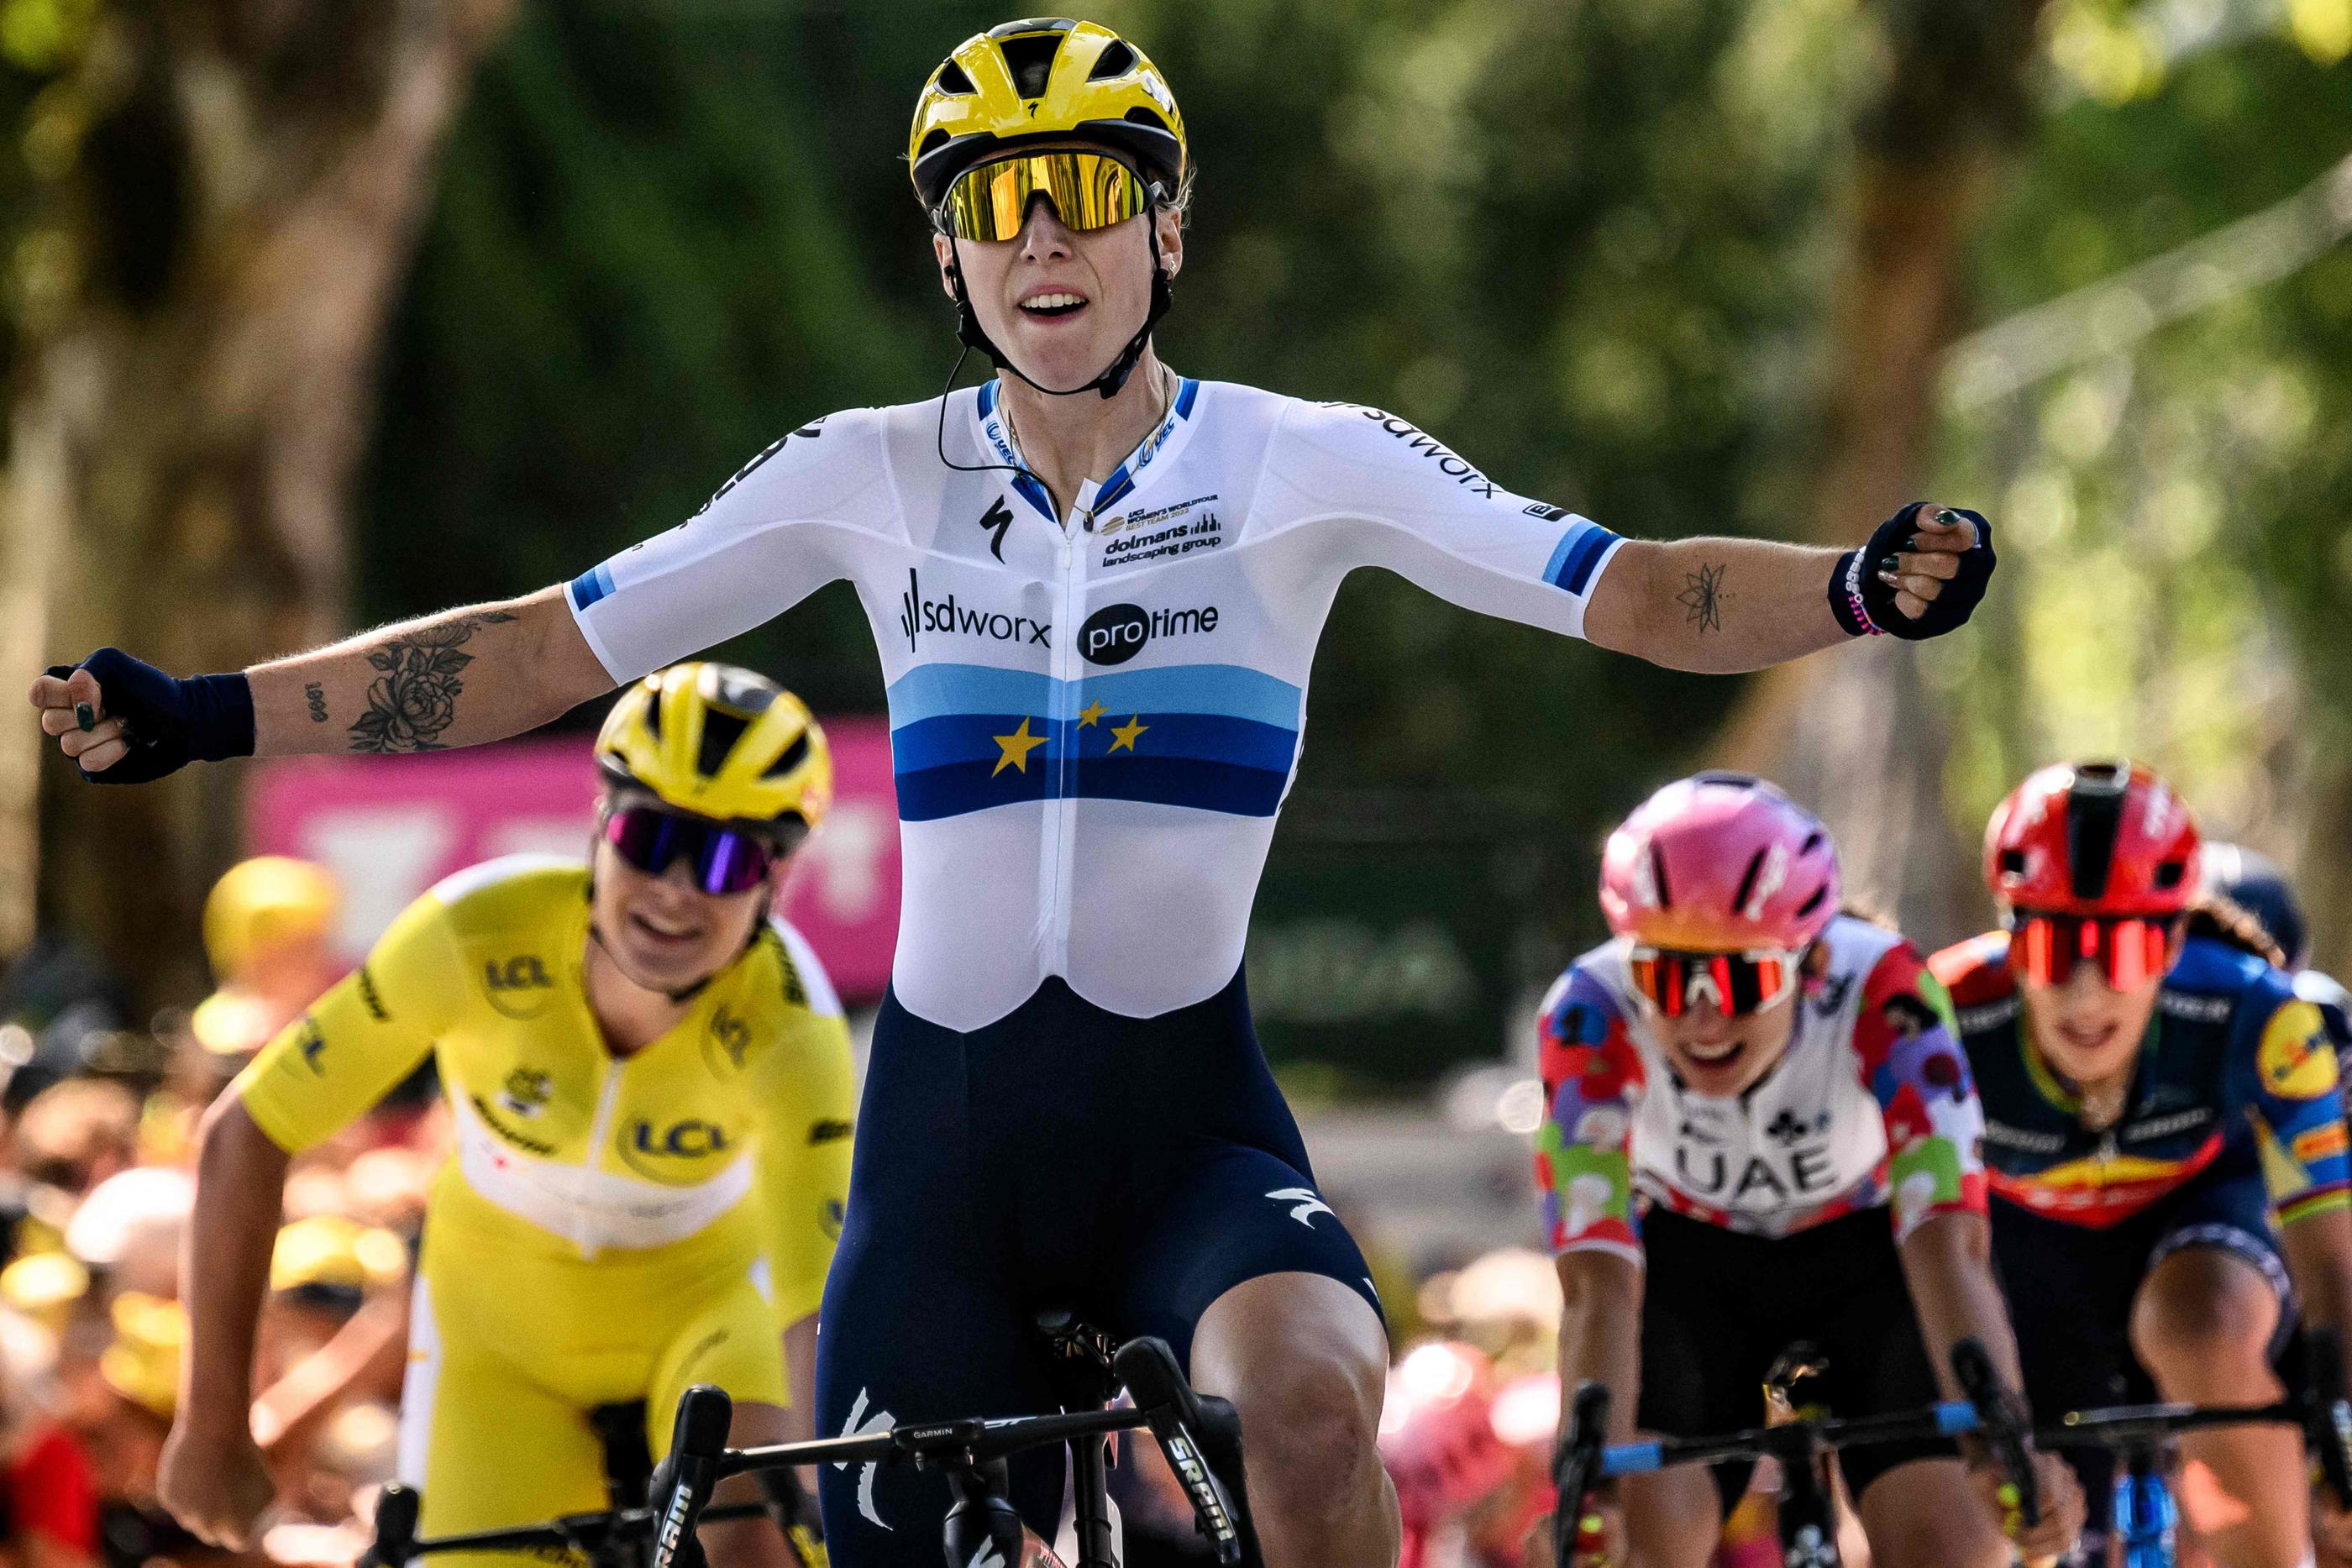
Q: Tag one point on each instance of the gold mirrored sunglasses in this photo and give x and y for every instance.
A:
(1088, 190)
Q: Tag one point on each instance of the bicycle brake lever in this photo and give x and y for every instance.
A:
(1575, 1466)
(2328, 1418)
(2001, 1422)
(1172, 1410)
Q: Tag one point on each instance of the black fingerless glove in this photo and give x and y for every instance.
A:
(1864, 604)
(169, 722)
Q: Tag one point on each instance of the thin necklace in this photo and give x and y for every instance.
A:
(1166, 400)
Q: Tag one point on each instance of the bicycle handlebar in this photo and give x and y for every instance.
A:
(1582, 1461)
(2002, 1421)
(1165, 1403)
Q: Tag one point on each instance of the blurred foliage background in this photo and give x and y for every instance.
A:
(1740, 265)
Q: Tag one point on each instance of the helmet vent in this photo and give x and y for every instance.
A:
(1658, 873)
(2095, 816)
(1031, 61)
(1814, 840)
(1141, 116)
(1114, 61)
(653, 716)
(955, 79)
(2170, 874)
(1807, 908)
(1747, 880)
(720, 731)
(1727, 775)
(794, 755)
(2012, 862)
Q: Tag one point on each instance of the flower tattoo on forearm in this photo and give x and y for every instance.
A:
(1702, 597)
(414, 697)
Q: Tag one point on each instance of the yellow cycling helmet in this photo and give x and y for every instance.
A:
(1045, 79)
(720, 741)
(262, 905)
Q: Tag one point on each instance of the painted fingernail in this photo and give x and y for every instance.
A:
(2008, 1494)
(1949, 518)
(1889, 579)
(86, 716)
(1888, 563)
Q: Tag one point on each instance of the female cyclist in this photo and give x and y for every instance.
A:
(2166, 1152)
(651, 1086)
(1762, 1132)
(1096, 586)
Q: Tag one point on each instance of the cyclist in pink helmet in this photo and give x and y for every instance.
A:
(1760, 1131)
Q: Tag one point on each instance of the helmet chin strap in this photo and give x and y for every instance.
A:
(1114, 375)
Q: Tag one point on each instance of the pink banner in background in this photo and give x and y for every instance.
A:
(389, 826)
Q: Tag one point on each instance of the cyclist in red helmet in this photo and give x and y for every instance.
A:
(1762, 1131)
(2164, 1143)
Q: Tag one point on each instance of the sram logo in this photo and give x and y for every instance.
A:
(946, 616)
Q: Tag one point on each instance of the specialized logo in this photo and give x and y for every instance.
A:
(861, 1425)
(1308, 1204)
(996, 519)
(988, 1556)
(918, 615)
(1418, 440)
(1116, 632)
(829, 1132)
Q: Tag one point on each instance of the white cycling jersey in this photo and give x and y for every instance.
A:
(1092, 727)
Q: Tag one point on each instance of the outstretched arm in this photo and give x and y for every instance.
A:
(460, 678)
(1719, 606)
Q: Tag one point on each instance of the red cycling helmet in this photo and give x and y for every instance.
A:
(2093, 838)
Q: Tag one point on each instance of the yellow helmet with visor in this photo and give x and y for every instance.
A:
(722, 742)
(1055, 108)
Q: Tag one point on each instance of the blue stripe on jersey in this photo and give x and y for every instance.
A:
(1184, 396)
(1574, 559)
(590, 586)
(931, 691)
(1203, 785)
(1215, 737)
(1232, 689)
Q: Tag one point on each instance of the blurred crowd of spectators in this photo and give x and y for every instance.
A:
(98, 1121)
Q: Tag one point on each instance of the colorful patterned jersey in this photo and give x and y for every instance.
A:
(1094, 718)
(1870, 1106)
(2232, 1054)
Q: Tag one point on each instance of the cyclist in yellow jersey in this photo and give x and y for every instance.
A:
(651, 1088)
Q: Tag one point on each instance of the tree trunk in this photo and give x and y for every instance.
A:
(230, 229)
(1857, 734)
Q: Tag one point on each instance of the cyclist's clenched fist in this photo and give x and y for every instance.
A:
(215, 1484)
(2063, 1510)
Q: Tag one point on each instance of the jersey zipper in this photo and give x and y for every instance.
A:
(599, 1129)
(1066, 676)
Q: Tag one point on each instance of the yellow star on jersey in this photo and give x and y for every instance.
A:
(1088, 714)
(1016, 748)
(1125, 734)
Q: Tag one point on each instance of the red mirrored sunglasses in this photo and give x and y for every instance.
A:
(2129, 949)
(1736, 982)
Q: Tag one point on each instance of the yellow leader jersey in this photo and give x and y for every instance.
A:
(586, 1185)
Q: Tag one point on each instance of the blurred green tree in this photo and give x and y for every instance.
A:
(207, 211)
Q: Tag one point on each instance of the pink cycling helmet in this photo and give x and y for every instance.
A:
(1719, 862)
